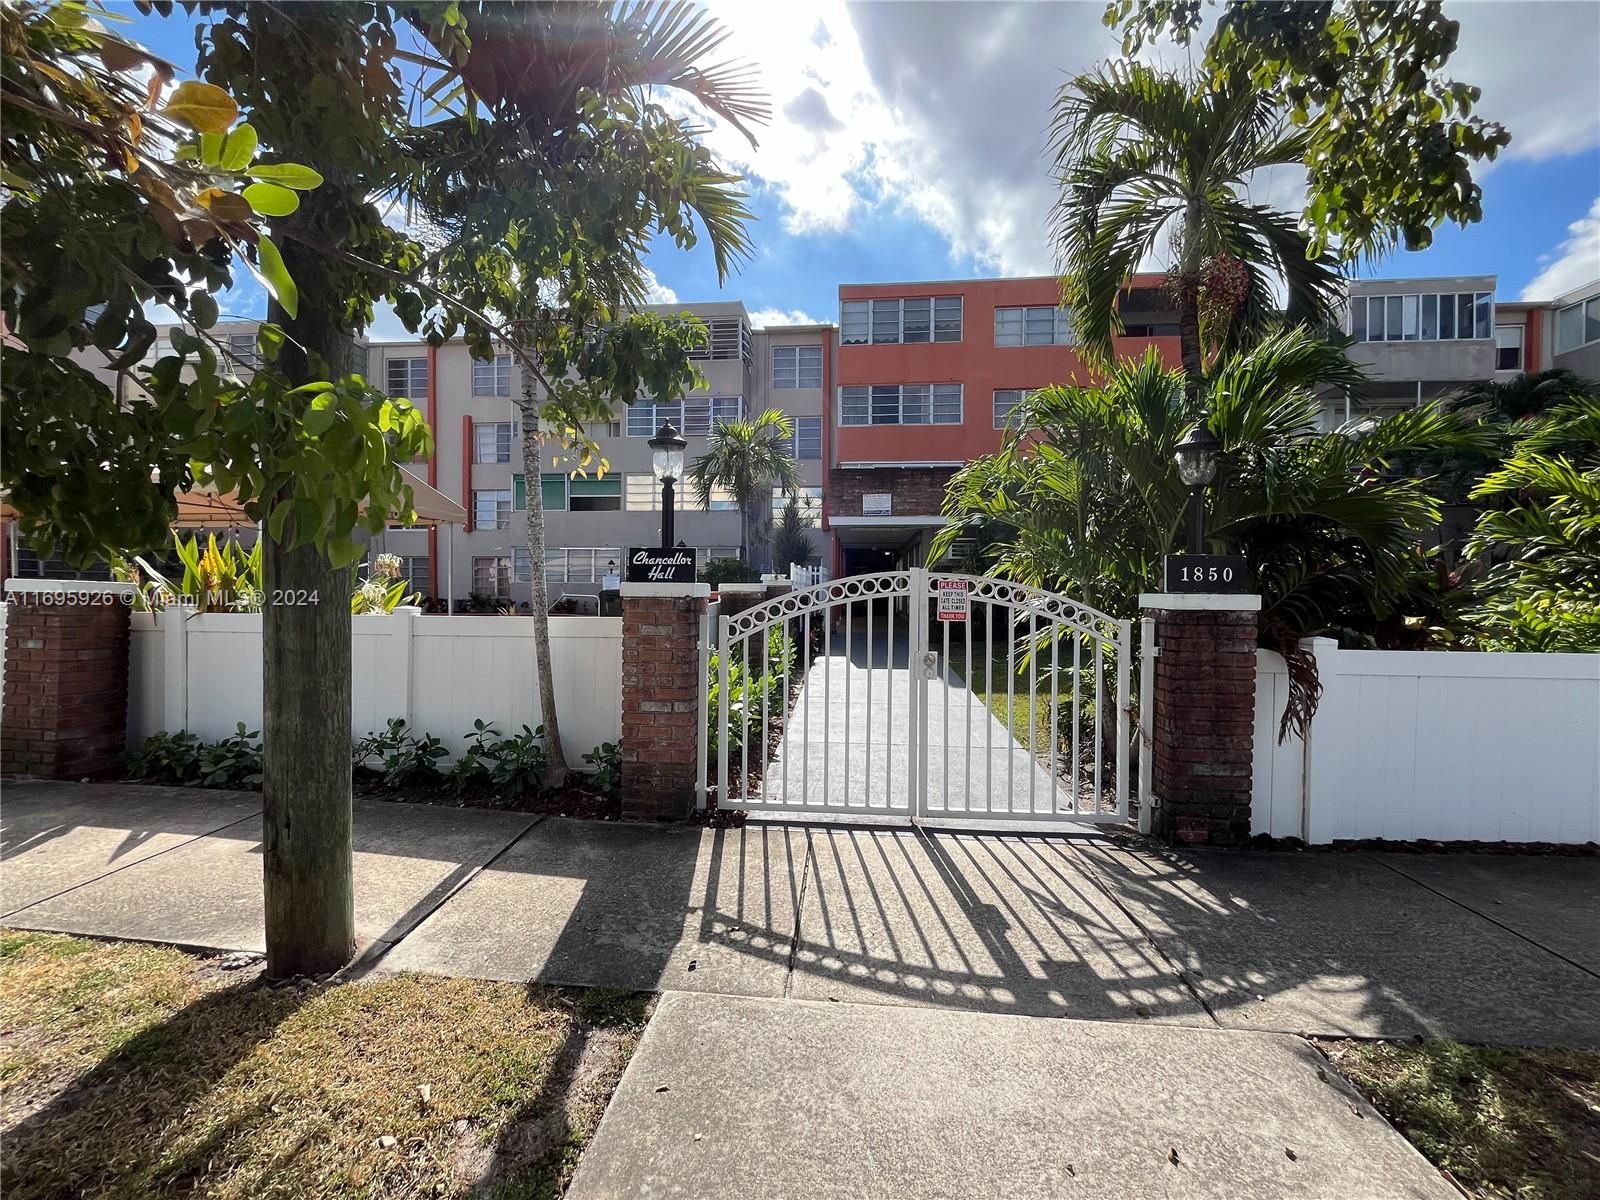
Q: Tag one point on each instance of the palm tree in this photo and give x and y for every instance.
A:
(1084, 494)
(556, 76)
(1142, 155)
(747, 460)
(791, 537)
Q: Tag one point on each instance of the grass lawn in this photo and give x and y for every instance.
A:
(1503, 1121)
(1016, 705)
(138, 1071)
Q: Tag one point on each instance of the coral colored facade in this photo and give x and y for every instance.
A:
(910, 462)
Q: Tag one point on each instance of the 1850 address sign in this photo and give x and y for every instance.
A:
(1205, 573)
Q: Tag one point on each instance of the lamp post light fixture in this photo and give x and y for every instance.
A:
(1197, 457)
(667, 448)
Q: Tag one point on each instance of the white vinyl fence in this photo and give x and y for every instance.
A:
(202, 672)
(1432, 746)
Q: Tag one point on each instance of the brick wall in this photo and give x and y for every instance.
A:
(1204, 724)
(66, 686)
(917, 491)
(660, 706)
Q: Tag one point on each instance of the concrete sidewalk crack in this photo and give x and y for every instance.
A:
(1479, 913)
(372, 957)
(138, 862)
(1182, 975)
(799, 908)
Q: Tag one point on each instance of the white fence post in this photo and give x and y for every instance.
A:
(173, 622)
(402, 630)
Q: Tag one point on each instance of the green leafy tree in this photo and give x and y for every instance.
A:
(1144, 156)
(791, 538)
(748, 459)
(1084, 494)
(1543, 533)
(305, 440)
(1389, 138)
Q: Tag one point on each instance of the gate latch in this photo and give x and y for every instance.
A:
(930, 664)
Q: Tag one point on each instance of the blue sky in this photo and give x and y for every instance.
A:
(907, 143)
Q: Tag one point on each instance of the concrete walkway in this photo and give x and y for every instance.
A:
(1477, 947)
(745, 1099)
(848, 742)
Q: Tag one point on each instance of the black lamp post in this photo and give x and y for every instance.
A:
(668, 446)
(1197, 458)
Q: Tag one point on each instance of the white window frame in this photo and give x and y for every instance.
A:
(501, 566)
(809, 498)
(1406, 316)
(245, 351)
(727, 339)
(920, 400)
(502, 511)
(701, 413)
(1566, 342)
(579, 564)
(933, 320)
(647, 412)
(1003, 408)
(492, 378)
(1510, 337)
(795, 367)
(499, 449)
(1033, 325)
(415, 370)
(802, 429)
(641, 492)
(414, 570)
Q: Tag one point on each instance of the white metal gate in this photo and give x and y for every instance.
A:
(923, 697)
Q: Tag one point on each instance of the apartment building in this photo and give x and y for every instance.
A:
(591, 515)
(927, 376)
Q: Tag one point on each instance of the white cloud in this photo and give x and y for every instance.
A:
(1574, 264)
(941, 110)
(764, 318)
(657, 292)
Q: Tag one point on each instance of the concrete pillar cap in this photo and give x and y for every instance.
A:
(1200, 602)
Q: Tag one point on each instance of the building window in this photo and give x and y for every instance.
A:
(901, 404)
(727, 338)
(244, 351)
(644, 417)
(797, 366)
(492, 378)
(408, 378)
(491, 576)
(701, 413)
(807, 437)
(721, 500)
(594, 495)
(641, 493)
(914, 320)
(1428, 317)
(1006, 401)
(1508, 347)
(491, 441)
(1577, 325)
(491, 509)
(414, 570)
(1037, 326)
(580, 564)
(809, 500)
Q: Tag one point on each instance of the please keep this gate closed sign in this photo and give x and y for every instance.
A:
(954, 603)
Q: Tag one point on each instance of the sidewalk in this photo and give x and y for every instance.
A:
(1475, 947)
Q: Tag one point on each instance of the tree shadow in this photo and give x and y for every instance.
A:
(111, 1130)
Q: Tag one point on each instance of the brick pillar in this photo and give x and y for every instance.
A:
(662, 682)
(66, 679)
(1204, 720)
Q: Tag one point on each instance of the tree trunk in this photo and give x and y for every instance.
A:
(305, 730)
(539, 604)
(1189, 347)
(305, 784)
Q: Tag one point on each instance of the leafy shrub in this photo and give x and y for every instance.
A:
(511, 766)
(606, 761)
(167, 758)
(719, 571)
(403, 759)
(234, 762)
(748, 687)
